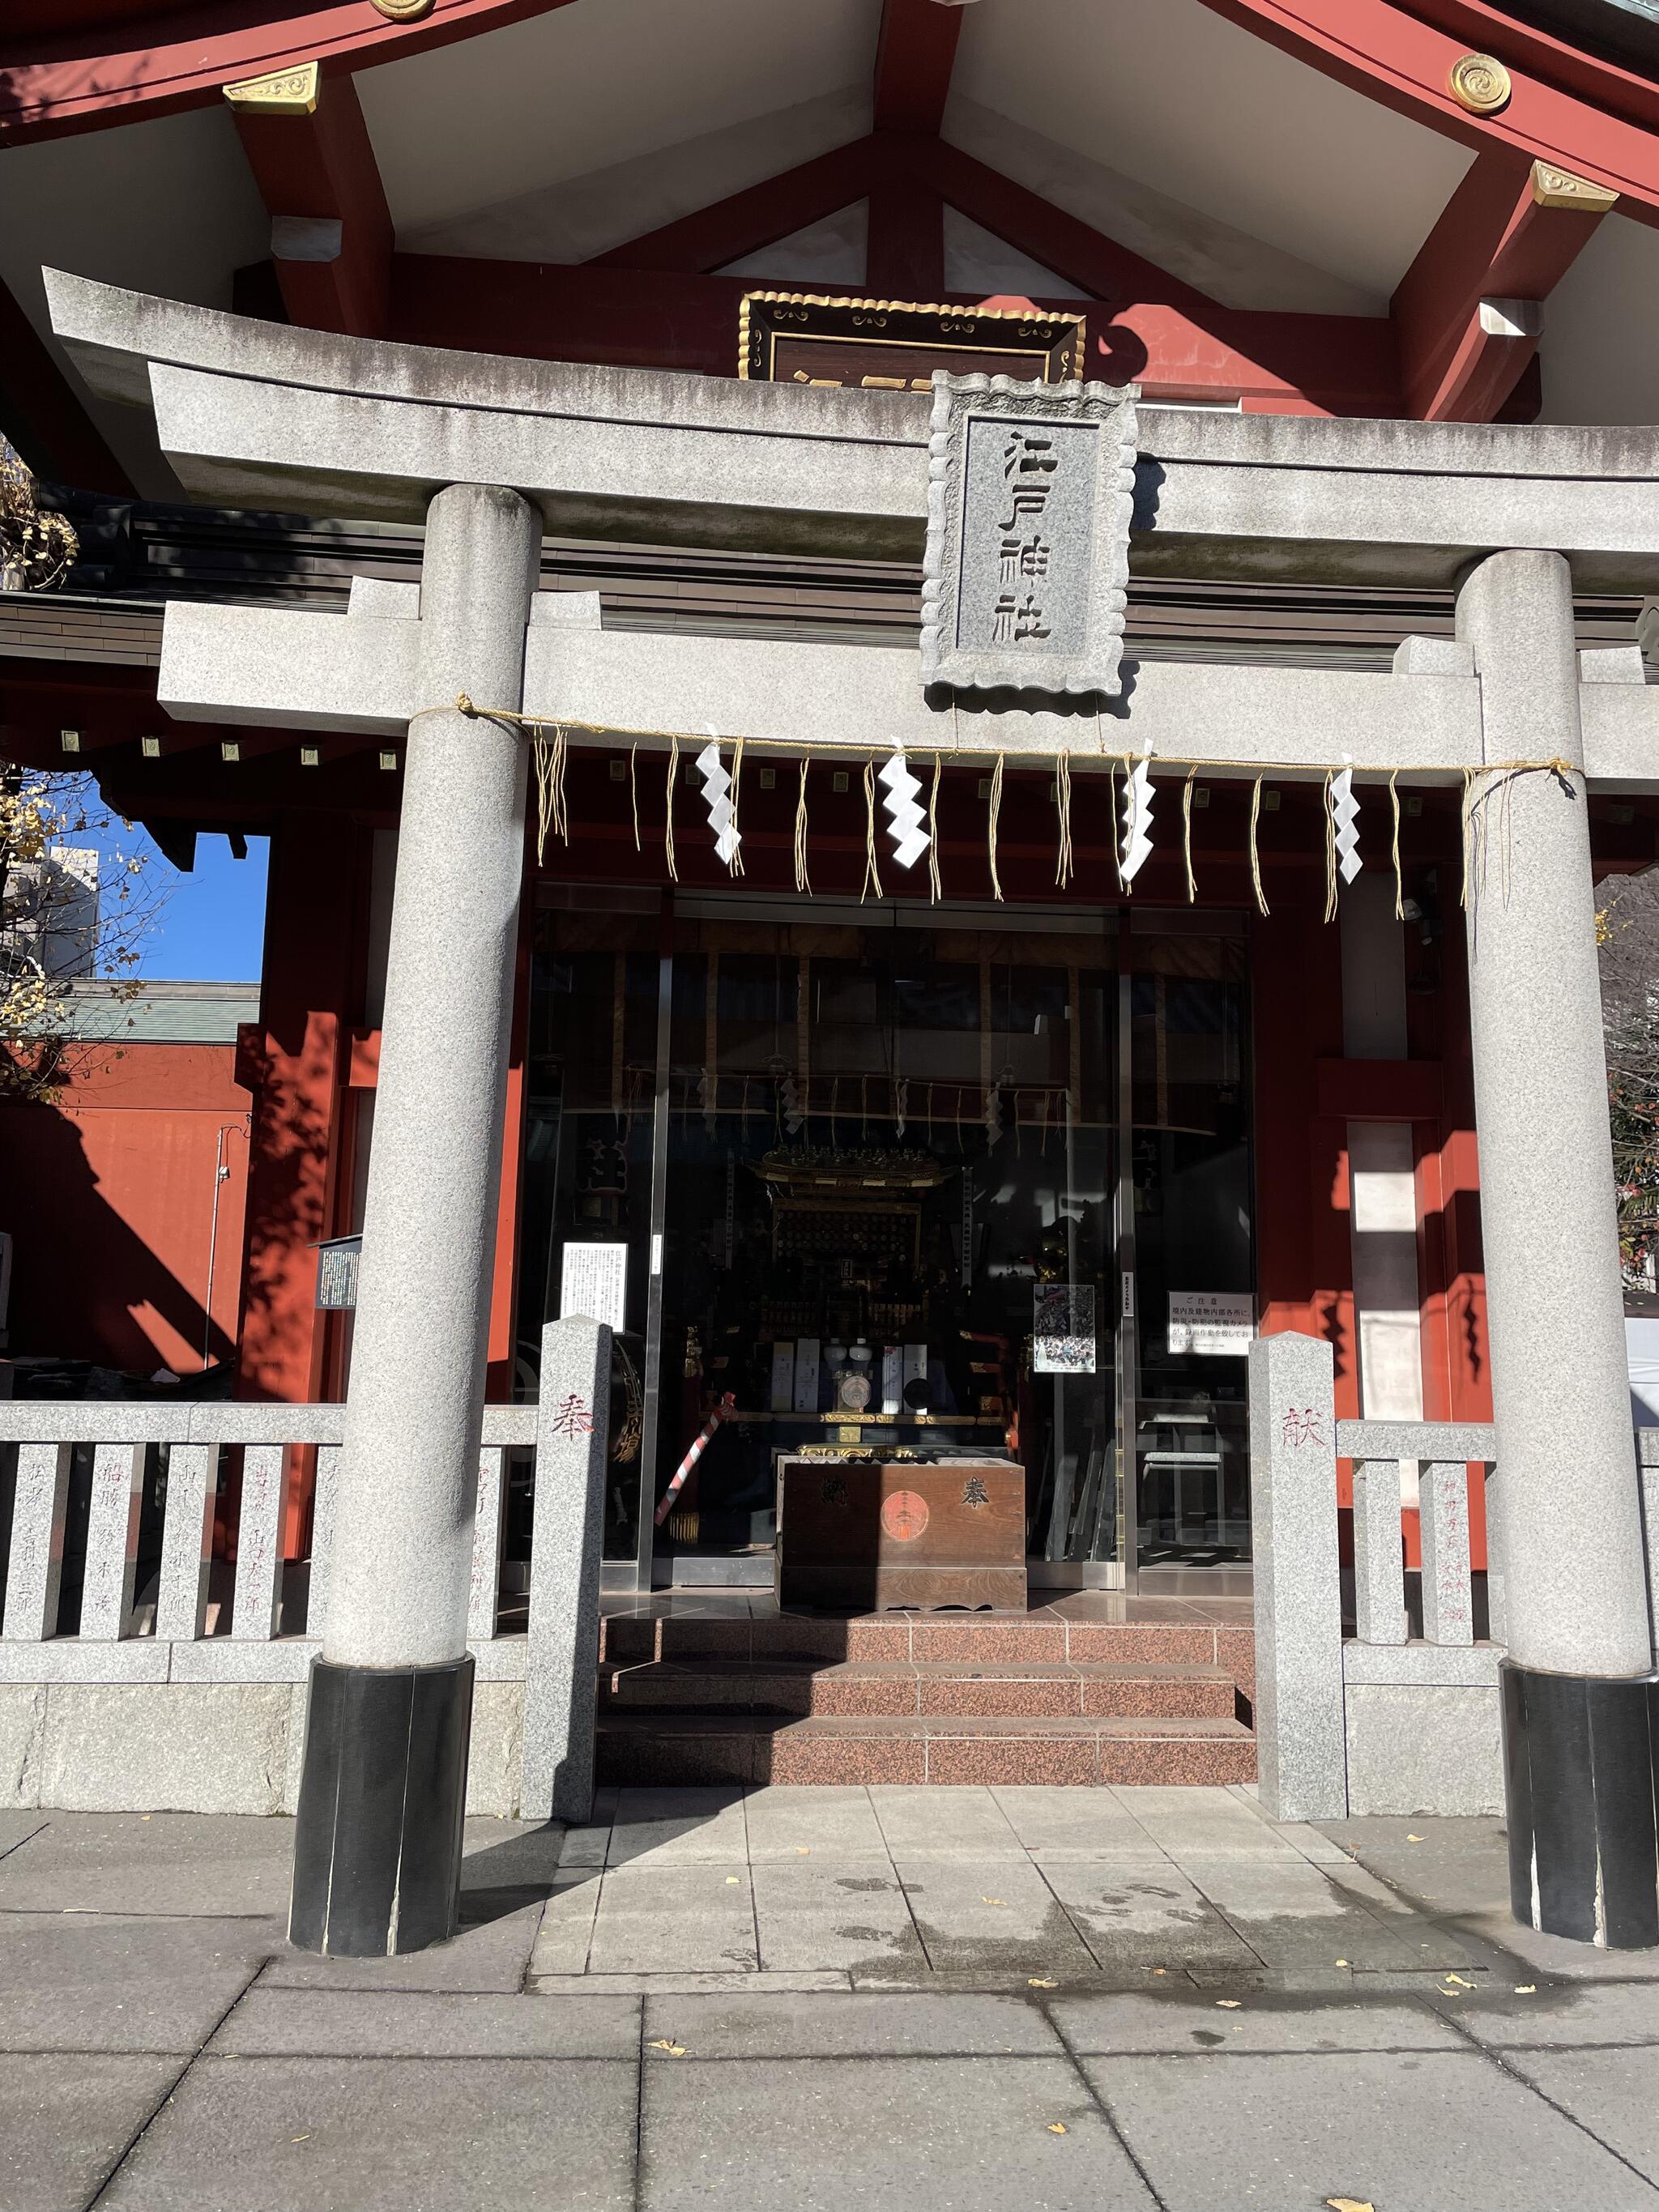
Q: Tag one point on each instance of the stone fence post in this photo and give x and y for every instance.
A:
(1301, 1749)
(566, 1539)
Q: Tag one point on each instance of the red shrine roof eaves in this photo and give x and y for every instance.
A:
(76, 65)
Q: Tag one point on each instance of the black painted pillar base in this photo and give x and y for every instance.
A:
(1580, 1758)
(377, 1847)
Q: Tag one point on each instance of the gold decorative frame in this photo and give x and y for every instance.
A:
(959, 329)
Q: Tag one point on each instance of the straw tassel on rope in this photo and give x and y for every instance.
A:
(551, 810)
(934, 884)
(634, 789)
(734, 866)
(540, 755)
(1399, 884)
(803, 880)
(668, 824)
(871, 864)
(1063, 807)
(991, 825)
(1255, 855)
(1330, 848)
(1187, 834)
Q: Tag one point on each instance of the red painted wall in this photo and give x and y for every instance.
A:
(109, 1197)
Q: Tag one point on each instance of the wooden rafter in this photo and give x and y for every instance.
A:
(317, 174)
(1587, 119)
(745, 222)
(1495, 239)
(915, 51)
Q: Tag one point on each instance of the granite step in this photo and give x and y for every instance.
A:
(1079, 1751)
(1046, 1637)
(895, 1689)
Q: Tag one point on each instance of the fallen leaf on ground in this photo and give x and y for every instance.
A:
(1160, 1970)
(1526, 1989)
(992, 1900)
(1057, 2127)
(1461, 1982)
(732, 1882)
(1040, 1982)
(1342, 1962)
(803, 1851)
(305, 2138)
(1413, 1839)
(1230, 2004)
(1350, 2204)
(674, 2049)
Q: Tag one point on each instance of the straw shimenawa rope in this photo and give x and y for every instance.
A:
(1481, 785)
(634, 789)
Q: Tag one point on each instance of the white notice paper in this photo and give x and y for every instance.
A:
(1214, 1324)
(593, 1280)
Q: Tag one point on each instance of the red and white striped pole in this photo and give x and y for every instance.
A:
(723, 1412)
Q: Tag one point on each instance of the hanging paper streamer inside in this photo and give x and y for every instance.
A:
(905, 818)
(717, 794)
(1137, 821)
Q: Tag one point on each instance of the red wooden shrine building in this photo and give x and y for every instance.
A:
(1206, 1098)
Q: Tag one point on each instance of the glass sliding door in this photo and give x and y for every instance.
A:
(1193, 1252)
(891, 1145)
(903, 1181)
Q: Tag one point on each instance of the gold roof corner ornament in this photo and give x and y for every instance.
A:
(1480, 83)
(1559, 188)
(37, 548)
(285, 92)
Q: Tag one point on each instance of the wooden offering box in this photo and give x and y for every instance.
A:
(863, 1538)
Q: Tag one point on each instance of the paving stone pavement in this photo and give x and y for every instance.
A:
(970, 1999)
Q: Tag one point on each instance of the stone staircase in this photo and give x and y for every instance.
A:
(986, 1699)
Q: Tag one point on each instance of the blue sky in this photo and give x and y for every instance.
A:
(208, 925)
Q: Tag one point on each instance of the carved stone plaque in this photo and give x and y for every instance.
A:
(1030, 489)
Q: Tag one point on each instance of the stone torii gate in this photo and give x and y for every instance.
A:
(492, 452)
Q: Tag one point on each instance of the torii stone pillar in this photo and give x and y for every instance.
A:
(1578, 1692)
(378, 1848)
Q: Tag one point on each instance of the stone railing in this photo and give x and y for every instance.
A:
(142, 1708)
(1421, 1721)
(1396, 1717)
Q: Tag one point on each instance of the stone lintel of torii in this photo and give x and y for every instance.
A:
(357, 672)
(495, 452)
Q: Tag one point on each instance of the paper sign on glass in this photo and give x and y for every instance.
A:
(1063, 1328)
(1213, 1324)
(593, 1280)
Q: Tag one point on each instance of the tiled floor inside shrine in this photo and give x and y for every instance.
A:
(1082, 1688)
